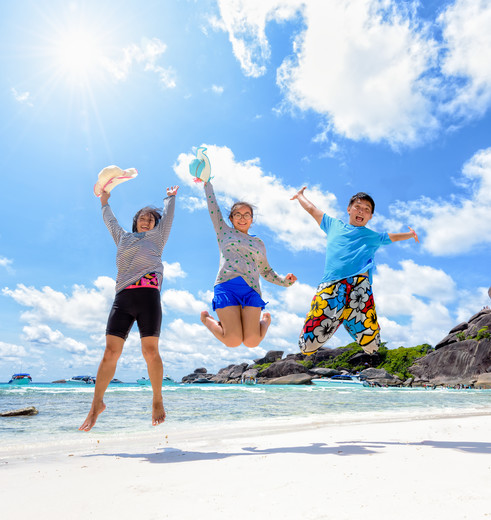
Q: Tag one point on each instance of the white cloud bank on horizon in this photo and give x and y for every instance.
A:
(415, 303)
(371, 68)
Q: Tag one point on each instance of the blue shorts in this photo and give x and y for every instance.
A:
(236, 292)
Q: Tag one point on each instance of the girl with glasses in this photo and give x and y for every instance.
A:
(237, 293)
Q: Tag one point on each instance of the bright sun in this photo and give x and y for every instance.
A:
(78, 55)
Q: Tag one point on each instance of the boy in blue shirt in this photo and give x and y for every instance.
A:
(345, 292)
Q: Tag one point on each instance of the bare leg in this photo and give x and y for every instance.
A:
(150, 350)
(254, 328)
(107, 368)
(229, 329)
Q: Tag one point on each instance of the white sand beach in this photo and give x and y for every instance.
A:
(430, 468)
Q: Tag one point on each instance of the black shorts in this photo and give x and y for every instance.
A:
(141, 305)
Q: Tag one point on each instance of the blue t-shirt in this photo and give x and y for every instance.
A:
(350, 249)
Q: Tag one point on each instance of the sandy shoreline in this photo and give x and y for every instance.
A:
(427, 468)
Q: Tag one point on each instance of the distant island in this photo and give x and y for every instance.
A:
(461, 359)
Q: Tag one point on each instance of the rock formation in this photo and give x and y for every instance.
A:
(29, 410)
(463, 357)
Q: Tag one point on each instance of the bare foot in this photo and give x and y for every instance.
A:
(158, 413)
(266, 320)
(204, 316)
(211, 323)
(91, 419)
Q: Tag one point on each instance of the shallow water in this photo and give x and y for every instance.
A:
(62, 408)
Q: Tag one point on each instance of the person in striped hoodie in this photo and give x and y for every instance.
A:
(138, 285)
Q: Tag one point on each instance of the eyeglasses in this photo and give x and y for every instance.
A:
(146, 218)
(245, 216)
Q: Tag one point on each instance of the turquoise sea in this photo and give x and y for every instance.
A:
(62, 408)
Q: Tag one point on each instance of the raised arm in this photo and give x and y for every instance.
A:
(105, 198)
(213, 208)
(308, 206)
(396, 237)
(165, 223)
(110, 220)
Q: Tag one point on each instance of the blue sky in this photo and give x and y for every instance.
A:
(341, 97)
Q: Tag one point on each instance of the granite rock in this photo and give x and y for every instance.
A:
(291, 379)
(29, 410)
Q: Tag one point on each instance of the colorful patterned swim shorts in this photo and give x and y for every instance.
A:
(348, 301)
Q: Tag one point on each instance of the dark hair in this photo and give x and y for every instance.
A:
(240, 203)
(362, 196)
(157, 215)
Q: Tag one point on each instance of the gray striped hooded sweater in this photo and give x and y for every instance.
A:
(139, 253)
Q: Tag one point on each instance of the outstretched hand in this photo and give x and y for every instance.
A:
(172, 191)
(299, 193)
(291, 278)
(414, 234)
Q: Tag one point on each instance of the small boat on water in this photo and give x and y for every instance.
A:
(83, 380)
(20, 379)
(342, 379)
(146, 382)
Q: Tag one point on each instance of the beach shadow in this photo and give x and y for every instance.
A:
(482, 448)
(174, 455)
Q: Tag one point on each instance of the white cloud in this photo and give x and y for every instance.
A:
(467, 36)
(22, 97)
(460, 223)
(417, 294)
(146, 54)
(7, 263)
(247, 181)
(173, 270)
(297, 298)
(182, 302)
(372, 69)
(84, 309)
(217, 89)
(10, 352)
(193, 203)
(245, 21)
(44, 335)
(362, 64)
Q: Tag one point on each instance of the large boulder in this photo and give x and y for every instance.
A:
(284, 367)
(483, 381)
(461, 357)
(367, 360)
(380, 376)
(230, 373)
(457, 363)
(325, 354)
(466, 330)
(270, 357)
(199, 373)
(292, 379)
(325, 372)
